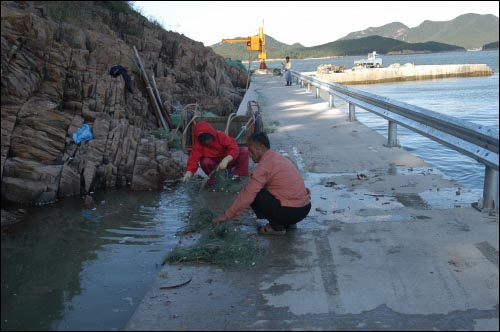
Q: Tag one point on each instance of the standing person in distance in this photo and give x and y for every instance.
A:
(286, 67)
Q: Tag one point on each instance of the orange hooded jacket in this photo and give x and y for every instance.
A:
(222, 145)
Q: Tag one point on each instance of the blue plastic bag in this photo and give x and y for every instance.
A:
(83, 134)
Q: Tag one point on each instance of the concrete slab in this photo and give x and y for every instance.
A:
(390, 244)
(408, 72)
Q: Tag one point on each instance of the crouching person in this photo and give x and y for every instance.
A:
(215, 149)
(275, 190)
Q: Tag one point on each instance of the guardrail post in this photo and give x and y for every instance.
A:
(330, 101)
(352, 112)
(392, 139)
(317, 92)
(490, 191)
(440, 129)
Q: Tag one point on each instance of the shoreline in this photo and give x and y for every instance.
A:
(362, 55)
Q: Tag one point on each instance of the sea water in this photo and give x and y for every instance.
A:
(473, 99)
(70, 266)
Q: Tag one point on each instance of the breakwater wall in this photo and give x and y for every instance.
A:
(404, 73)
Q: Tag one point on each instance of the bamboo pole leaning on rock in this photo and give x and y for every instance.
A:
(152, 98)
(162, 107)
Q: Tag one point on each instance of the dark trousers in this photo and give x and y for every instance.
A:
(266, 206)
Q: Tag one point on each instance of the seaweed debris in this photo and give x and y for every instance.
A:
(224, 245)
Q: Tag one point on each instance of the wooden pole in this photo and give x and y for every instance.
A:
(152, 98)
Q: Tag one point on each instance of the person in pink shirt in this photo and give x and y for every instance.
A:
(275, 190)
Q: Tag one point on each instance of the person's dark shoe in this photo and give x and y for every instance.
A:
(268, 230)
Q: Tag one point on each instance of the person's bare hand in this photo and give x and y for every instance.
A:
(187, 177)
(217, 220)
(224, 162)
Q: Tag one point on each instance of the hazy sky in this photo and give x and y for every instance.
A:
(310, 23)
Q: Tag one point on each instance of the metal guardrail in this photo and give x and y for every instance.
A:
(473, 140)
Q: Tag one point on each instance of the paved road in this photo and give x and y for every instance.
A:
(390, 244)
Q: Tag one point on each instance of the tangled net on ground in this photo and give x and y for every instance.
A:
(223, 245)
(228, 183)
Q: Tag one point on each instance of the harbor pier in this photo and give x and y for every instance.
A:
(406, 72)
(389, 244)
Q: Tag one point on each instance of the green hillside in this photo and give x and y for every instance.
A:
(468, 31)
(491, 46)
(395, 30)
(360, 46)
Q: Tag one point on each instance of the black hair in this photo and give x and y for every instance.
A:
(204, 137)
(287, 58)
(260, 138)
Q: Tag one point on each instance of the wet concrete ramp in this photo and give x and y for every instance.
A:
(388, 244)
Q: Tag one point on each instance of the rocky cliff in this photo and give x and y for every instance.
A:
(55, 78)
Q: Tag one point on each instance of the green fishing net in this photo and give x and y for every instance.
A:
(223, 245)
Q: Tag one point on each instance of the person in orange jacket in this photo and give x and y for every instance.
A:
(215, 149)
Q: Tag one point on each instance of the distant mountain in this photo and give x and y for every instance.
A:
(491, 46)
(360, 46)
(394, 30)
(469, 31)
(376, 43)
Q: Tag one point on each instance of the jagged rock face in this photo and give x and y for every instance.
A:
(55, 78)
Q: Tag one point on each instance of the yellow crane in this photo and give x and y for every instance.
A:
(254, 43)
